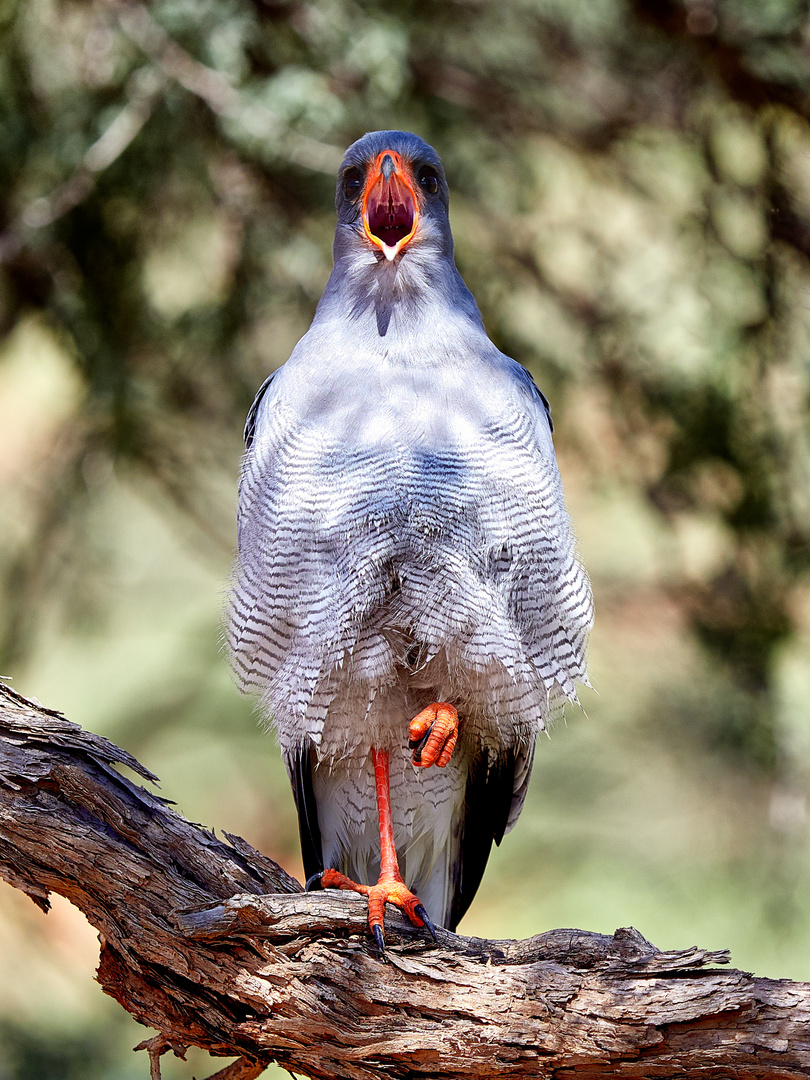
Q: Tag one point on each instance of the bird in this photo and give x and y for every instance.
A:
(408, 600)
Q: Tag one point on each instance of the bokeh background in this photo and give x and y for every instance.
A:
(631, 204)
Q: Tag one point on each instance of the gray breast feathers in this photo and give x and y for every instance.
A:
(409, 554)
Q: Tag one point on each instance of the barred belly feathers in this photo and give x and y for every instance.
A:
(403, 541)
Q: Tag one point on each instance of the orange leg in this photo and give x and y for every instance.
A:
(432, 735)
(390, 888)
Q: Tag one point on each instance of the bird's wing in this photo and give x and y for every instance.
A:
(554, 604)
(555, 628)
(252, 416)
(539, 395)
(524, 759)
(299, 766)
(488, 812)
(299, 761)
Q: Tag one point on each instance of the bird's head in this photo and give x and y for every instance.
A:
(392, 196)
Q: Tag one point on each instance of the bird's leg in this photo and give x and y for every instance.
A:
(432, 735)
(390, 888)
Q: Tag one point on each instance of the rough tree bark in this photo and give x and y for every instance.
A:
(214, 945)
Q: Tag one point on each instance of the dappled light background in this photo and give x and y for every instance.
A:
(631, 203)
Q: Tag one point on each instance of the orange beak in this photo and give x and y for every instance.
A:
(390, 209)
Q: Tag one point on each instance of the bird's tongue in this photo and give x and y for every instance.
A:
(390, 213)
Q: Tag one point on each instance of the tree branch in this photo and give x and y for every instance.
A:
(168, 63)
(143, 92)
(219, 95)
(215, 946)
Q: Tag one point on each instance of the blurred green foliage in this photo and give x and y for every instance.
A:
(631, 204)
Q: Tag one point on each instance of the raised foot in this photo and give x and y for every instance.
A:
(432, 735)
(386, 891)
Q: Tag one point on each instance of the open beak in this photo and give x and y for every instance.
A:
(390, 211)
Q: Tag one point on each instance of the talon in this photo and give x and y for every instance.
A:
(423, 915)
(315, 882)
(390, 889)
(418, 745)
(379, 937)
(432, 735)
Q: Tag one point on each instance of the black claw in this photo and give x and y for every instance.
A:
(423, 915)
(314, 883)
(418, 745)
(379, 938)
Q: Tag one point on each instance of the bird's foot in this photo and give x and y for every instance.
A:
(388, 890)
(432, 735)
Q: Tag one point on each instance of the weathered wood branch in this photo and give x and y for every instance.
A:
(214, 945)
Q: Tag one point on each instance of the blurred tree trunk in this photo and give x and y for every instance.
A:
(214, 945)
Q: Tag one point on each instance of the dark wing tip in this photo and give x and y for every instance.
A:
(299, 767)
(487, 802)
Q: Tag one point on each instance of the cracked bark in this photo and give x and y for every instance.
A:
(213, 945)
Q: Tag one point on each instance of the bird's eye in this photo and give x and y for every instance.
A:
(352, 183)
(428, 180)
